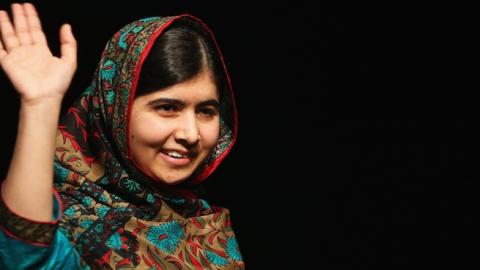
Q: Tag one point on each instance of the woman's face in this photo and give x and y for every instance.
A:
(173, 129)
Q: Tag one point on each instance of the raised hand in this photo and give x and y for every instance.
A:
(36, 74)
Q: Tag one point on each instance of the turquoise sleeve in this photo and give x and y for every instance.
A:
(21, 245)
(19, 255)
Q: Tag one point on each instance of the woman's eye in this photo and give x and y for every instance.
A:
(208, 112)
(166, 107)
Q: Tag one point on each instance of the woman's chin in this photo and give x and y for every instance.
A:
(171, 179)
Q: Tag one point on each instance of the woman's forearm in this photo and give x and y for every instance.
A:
(27, 189)
(41, 80)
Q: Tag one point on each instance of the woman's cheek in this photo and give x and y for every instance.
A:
(210, 135)
(155, 132)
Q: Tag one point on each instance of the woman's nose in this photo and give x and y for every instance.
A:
(187, 130)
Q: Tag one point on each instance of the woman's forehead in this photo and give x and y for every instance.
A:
(201, 86)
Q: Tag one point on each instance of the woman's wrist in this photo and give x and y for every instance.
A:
(48, 103)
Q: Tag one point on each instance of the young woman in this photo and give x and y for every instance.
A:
(158, 118)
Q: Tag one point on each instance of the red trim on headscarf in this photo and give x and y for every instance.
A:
(209, 169)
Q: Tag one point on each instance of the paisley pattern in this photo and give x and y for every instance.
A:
(115, 216)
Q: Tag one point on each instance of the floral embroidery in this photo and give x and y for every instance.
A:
(70, 211)
(232, 249)
(87, 201)
(103, 198)
(108, 71)
(102, 210)
(114, 241)
(150, 19)
(86, 223)
(110, 97)
(132, 185)
(166, 236)
(150, 198)
(215, 258)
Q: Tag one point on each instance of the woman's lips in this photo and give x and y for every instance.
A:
(175, 161)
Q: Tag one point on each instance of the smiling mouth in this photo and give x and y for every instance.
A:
(179, 154)
(177, 158)
(175, 161)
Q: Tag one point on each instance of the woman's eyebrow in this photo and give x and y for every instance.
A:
(159, 101)
(209, 102)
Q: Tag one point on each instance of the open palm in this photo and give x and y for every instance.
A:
(25, 57)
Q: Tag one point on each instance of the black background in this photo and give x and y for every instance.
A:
(355, 138)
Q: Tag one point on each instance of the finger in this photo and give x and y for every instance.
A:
(34, 24)
(20, 22)
(2, 51)
(68, 44)
(9, 38)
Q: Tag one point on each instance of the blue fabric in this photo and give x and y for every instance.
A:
(18, 254)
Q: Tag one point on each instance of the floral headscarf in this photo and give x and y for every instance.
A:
(113, 213)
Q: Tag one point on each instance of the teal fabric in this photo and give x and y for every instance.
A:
(18, 254)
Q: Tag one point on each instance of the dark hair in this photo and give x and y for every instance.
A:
(183, 51)
(180, 53)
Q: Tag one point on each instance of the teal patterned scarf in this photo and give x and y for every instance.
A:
(114, 215)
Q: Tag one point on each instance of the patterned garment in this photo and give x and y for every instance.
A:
(114, 215)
